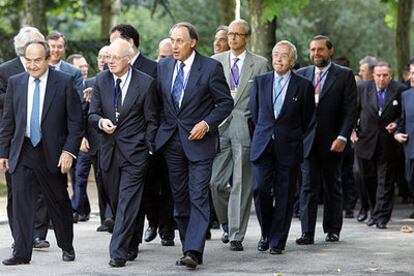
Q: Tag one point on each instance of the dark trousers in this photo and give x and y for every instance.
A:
(157, 203)
(189, 186)
(349, 185)
(9, 207)
(80, 200)
(379, 176)
(274, 187)
(317, 172)
(409, 175)
(123, 185)
(30, 177)
(363, 193)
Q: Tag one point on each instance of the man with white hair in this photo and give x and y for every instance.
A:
(10, 68)
(124, 108)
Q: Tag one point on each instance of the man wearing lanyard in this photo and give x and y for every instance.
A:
(232, 164)
(378, 112)
(124, 107)
(325, 140)
(281, 113)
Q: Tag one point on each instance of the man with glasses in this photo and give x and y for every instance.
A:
(232, 202)
(124, 108)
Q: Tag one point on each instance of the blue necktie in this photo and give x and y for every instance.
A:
(178, 87)
(277, 96)
(35, 134)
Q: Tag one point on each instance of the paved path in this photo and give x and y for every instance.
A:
(362, 251)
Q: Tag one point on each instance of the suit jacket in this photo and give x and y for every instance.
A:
(371, 127)
(61, 120)
(406, 124)
(237, 123)
(93, 136)
(77, 75)
(137, 123)
(8, 69)
(146, 65)
(335, 114)
(290, 125)
(206, 97)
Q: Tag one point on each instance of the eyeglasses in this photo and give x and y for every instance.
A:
(114, 57)
(281, 56)
(235, 34)
(37, 61)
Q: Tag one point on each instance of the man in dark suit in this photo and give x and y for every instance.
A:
(405, 131)
(8, 69)
(282, 105)
(378, 112)
(39, 138)
(124, 108)
(325, 140)
(196, 99)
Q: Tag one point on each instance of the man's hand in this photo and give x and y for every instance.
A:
(198, 131)
(107, 126)
(87, 94)
(65, 162)
(354, 136)
(84, 145)
(391, 127)
(401, 138)
(338, 145)
(4, 164)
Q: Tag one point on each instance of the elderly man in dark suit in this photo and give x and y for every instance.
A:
(325, 140)
(378, 112)
(282, 105)
(8, 69)
(196, 99)
(124, 108)
(39, 138)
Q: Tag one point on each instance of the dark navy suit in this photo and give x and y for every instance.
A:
(124, 153)
(206, 97)
(35, 168)
(277, 151)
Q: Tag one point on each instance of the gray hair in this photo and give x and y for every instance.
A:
(293, 53)
(370, 61)
(245, 24)
(127, 49)
(25, 35)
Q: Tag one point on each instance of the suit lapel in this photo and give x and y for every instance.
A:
(22, 97)
(330, 79)
(50, 92)
(168, 84)
(372, 97)
(269, 91)
(227, 66)
(390, 95)
(194, 75)
(131, 95)
(290, 92)
(247, 71)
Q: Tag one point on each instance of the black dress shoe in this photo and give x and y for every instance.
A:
(40, 243)
(150, 233)
(83, 217)
(132, 254)
(117, 263)
(275, 251)
(190, 260)
(102, 228)
(75, 217)
(110, 224)
(167, 242)
(215, 225)
(349, 214)
(236, 246)
(332, 237)
(362, 215)
(15, 261)
(381, 225)
(68, 256)
(371, 221)
(263, 244)
(208, 235)
(225, 237)
(306, 238)
(411, 216)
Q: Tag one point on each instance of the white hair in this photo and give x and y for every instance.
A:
(25, 35)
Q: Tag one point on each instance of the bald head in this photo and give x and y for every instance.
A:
(102, 57)
(120, 54)
(164, 48)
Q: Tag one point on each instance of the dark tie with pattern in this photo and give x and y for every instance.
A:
(178, 87)
(118, 97)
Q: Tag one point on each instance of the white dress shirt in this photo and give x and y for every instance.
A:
(30, 92)
(125, 81)
(188, 63)
(240, 62)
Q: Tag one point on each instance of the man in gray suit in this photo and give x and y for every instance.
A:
(231, 181)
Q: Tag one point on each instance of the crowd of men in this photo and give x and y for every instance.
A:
(189, 141)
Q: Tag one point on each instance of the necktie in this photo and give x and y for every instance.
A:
(235, 75)
(118, 92)
(277, 96)
(178, 87)
(381, 99)
(318, 86)
(35, 134)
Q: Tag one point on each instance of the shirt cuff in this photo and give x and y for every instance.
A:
(342, 138)
(71, 154)
(208, 127)
(100, 124)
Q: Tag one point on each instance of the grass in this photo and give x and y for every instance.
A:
(3, 189)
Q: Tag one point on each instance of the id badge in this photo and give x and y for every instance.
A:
(233, 93)
(316, 98)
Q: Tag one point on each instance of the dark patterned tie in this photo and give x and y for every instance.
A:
(178, 87)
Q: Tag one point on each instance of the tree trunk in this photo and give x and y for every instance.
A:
(403, 34)
(228, 9)
(109, 10)
(36, 15)
(263, 33)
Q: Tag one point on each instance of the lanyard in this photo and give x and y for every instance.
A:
(320, 80)
(281, 89)
(116, 99)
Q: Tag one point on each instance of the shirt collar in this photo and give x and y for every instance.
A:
(189, 61)
(135, 57)
(42, 78)
(284, 76)
(326, 68)
(241, 57)
(23, 61)
(378, 90)
(123, 77)
(57, 65)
